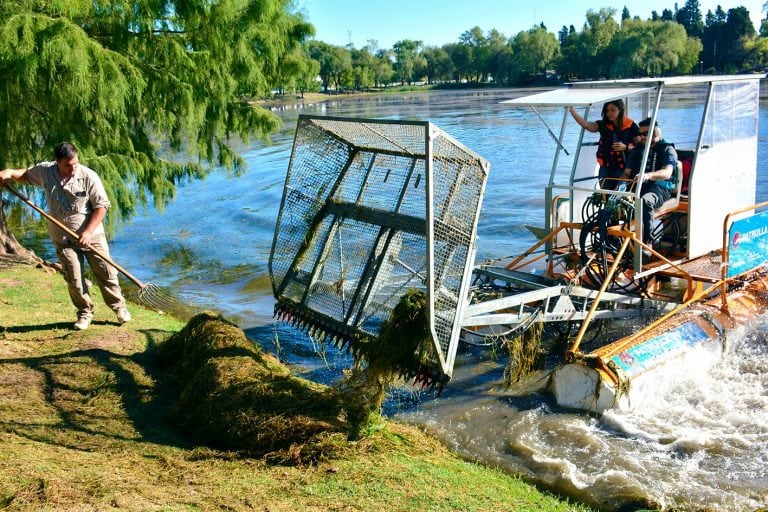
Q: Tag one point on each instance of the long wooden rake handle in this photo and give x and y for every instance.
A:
(74, 235)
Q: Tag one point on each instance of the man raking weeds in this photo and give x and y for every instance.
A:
(77, 204)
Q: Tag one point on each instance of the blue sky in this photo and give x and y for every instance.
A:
(436, 22)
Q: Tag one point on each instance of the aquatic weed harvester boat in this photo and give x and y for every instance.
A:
(373, 209)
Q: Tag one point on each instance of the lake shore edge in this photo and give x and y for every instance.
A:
(311, 98)
(84, 428)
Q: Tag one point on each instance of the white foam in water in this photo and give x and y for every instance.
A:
(700, 438)
(708, 430)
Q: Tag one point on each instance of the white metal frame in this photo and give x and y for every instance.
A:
(727, 165)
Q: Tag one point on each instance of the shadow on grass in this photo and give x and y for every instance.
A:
(207, 384)
(23, 329)
(99, 393)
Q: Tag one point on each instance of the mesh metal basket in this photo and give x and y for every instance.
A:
(371, 209)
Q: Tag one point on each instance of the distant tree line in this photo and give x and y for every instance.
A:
(679, 41)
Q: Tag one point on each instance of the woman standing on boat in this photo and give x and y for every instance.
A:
(618, 133)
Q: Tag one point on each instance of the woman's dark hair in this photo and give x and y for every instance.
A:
(64, 150)
(619, 120)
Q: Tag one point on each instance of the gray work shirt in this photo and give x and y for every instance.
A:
(71, 203)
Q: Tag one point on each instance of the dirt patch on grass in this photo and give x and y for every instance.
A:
(114, 340)
(6, 349)
(10, 283)
(20, 383)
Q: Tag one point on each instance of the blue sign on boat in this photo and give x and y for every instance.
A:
(747, 243)
(655, 350)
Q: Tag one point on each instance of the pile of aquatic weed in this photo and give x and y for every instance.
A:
(402, 350)
(233, 396)
(404, 345)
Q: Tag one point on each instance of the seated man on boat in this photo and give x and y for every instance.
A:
(657, 185)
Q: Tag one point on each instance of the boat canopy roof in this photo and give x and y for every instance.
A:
(576, 97)
(599, 92)
(669, 80)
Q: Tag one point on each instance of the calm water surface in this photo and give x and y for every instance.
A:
(702, 444)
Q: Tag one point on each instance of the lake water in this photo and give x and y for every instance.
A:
(704, 444)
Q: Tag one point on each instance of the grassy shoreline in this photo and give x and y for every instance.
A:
(83, 427)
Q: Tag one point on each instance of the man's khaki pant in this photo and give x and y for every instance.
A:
(72, 258)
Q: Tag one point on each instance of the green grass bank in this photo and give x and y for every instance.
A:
(84, 425)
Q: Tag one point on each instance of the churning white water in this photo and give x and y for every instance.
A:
(699, 442)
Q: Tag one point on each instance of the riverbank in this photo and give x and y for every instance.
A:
(83, 427)
(310, 98)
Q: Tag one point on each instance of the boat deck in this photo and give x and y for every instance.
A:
(706, 268)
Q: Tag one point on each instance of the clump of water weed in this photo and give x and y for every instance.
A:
(403, 349)
(404, 344)
(524, 353)
(235, 397)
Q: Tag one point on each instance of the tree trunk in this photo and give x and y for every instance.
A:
(10, 248)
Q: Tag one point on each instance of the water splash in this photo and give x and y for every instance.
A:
(701, 442)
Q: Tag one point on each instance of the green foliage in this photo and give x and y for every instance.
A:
(689, 16)
(726, 39)
(407, 53)
(363, 69)
(461, 54)
(533, 52)
(470, 54)
(438, 64)
(587, 53)
(602, 49)
(653, 48)
(334, 62)
(756, 53)
(151, 92)
(492, 52)
(297, 72)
